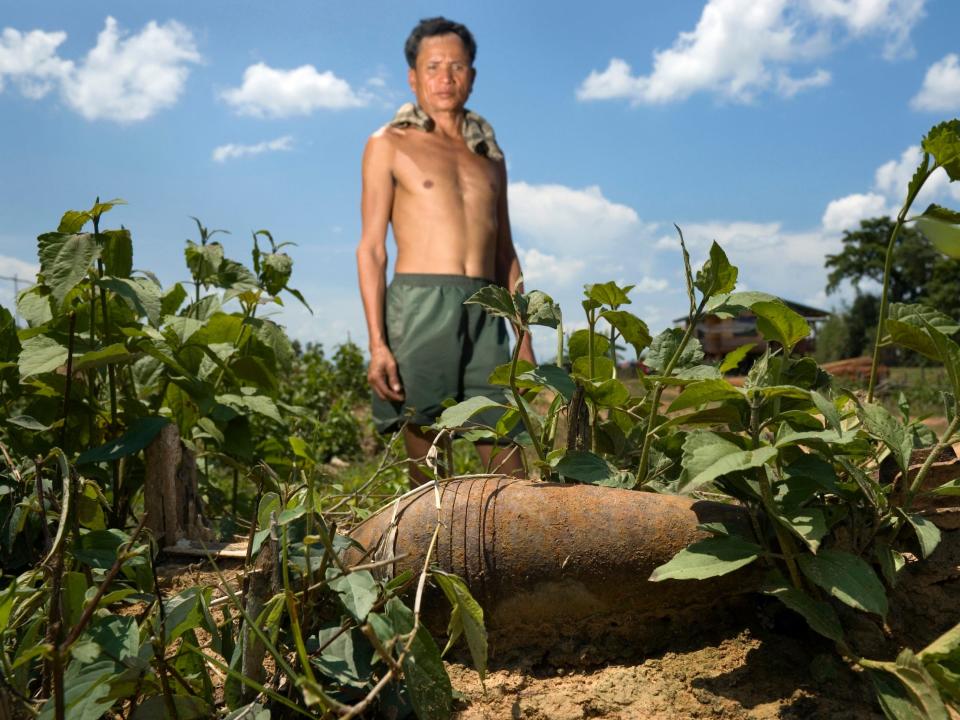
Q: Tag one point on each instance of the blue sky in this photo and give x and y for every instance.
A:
(767, 125)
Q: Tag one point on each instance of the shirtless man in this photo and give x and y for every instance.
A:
(437, 175)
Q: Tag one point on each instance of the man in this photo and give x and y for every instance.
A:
(437, 175)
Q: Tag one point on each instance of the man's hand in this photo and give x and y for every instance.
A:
(383, 376)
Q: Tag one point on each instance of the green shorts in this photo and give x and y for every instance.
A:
(443, 348)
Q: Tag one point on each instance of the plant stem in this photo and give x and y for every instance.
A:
(787, 546)
(887, 265)
(521, 408)
(68, 385)
(643, 469)
(931, 459)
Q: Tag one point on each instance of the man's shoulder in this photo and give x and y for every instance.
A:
(389, 135)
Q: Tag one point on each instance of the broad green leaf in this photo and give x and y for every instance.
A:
(466, 617)
(259, 404)
(733, 358)
(820, 616)
(541, 310)
(817, 438)
(727, 306)
(922, 696)
(33, 304)
(943, 142)
(553, 377)
(729, 463)
(726, 415)
(705, 391)
(458, 415)
(358, 591)
(346, 656)
(118, 635)
(881, 424)
(41, 354)
(938, 212)
(184, 612)
(949, 355)
(109, 355)
(777, 322)
(908, 325)
(275, 270)
(945, 237)
(501, 374)
(827, 409)
(585, 467)
(663, 347)
(139, 293)
(631, 328)
(427, 681)
(496, 300)
(117, 252)
(602, 368)
(951, 487)
(73, 221)
(203, 261)
(609, 393)
(178, 330)
(928, 534)
(141, 433)
(847, 578)
(717, 276)
(945, 647)
(28, 423)
(609, 294)
(808, 523)
(86, 691)
(707, 558)
(701, 449)
(65, 260)
(172, 299)
(891, 561)
(579, 343)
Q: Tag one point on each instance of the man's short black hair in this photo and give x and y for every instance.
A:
(431, 27)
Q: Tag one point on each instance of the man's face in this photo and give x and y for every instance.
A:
(443, 77)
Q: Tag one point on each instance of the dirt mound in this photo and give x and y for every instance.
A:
(764, 664)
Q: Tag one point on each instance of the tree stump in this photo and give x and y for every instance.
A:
(170, 495)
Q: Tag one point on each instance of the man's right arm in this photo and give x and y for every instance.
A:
(375, 208)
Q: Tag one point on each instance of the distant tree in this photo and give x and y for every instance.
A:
(863, 254)
(919, 272)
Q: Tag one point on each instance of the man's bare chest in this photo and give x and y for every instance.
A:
(437, 168)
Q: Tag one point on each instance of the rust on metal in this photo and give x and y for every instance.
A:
(540, 555)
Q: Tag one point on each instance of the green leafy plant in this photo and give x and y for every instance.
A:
(802, 459)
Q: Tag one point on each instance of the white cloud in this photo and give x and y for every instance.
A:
(128, 79)
(123, 79)
(789, 86)
(31, 60)
(538, 266)
(15, 267)
(269, 92)
(741, 48)
(570, 220)
(847, 212)
(892, 18)
(648, 284)
(222, 153)
(941, 86)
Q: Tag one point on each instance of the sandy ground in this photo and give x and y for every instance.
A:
(767, 665)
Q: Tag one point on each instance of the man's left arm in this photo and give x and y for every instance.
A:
(507, 263)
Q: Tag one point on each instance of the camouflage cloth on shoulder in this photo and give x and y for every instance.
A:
(477, 132)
